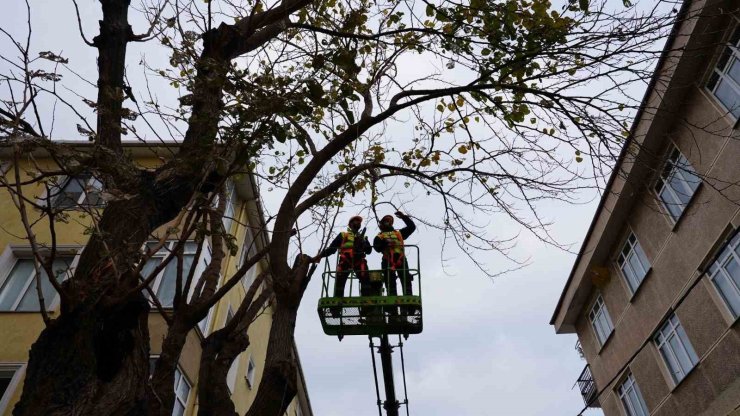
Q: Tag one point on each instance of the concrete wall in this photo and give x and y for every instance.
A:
(677, 252)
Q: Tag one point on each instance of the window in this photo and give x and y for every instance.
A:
(249, 249)
(250, 372)
(229, 211)
(633, 262)
(182, 388)
(182, 391)
(724, 272)
(18, 291)
(165, 283)
(677, 184)
(78, 190)
(724, 82)
(675, 348)
(629, 393)
(600, 320)
(10, 375)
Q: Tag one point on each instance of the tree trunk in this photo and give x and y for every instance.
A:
(214, 396)
(90, 361)
(161, 395)
(279, 378)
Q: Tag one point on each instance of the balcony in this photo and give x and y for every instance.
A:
(587, 386)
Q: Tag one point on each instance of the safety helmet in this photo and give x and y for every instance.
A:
(390, 217)
(356, 217)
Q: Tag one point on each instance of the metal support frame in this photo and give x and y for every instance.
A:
(391, 404)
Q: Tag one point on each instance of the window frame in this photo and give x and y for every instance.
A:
(19, 369)
(178, 370)
(593, 316)
(728, 251)
(641, 257)
(64, 181)
(13, 254)
(717, 76)
(669, 170)
(249, 248)
(623, 394)
(671, 328)
(176, 387)
(162, 254)
(229, 217)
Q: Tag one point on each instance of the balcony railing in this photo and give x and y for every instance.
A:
(587, 386)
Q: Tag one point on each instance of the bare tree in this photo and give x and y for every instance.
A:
(505, 99)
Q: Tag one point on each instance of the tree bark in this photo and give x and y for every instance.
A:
(115, 33)
(214, 397)
(161, 395)
(91, 361)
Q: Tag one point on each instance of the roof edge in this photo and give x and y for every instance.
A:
(623, 153)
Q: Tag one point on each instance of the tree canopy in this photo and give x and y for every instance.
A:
(487, 106)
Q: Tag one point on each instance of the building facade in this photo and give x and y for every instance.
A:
(21, 322)
(654, 295)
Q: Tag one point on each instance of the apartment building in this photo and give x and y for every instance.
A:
(654, 294)
(21, 322)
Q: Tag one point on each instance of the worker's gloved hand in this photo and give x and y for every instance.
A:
(315, 259)
(400, 214)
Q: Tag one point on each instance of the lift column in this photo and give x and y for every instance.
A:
(390, 405)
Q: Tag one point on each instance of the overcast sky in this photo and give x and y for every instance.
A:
(487, 347)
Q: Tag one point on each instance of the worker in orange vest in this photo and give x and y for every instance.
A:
(390, 242)
(353, 246)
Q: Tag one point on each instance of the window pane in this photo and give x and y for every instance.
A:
(677, 352)
(729, 293)
(725, 274)
(683, 359)
(672, 204)
(178, 410)
(30, 301)
(15, 283)
(631, 277)
(732, 267)
(681, 188)
(642, 257)
(184, 390)
(729, 97)
(93, 189)
(71, 192)
(671, 363)
(149, 266)
(692, 357)
(637, 267)
(734, 71)
(229, 210)
(635, 403)
(166, 290)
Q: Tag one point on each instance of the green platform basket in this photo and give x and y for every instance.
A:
(371, 315)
